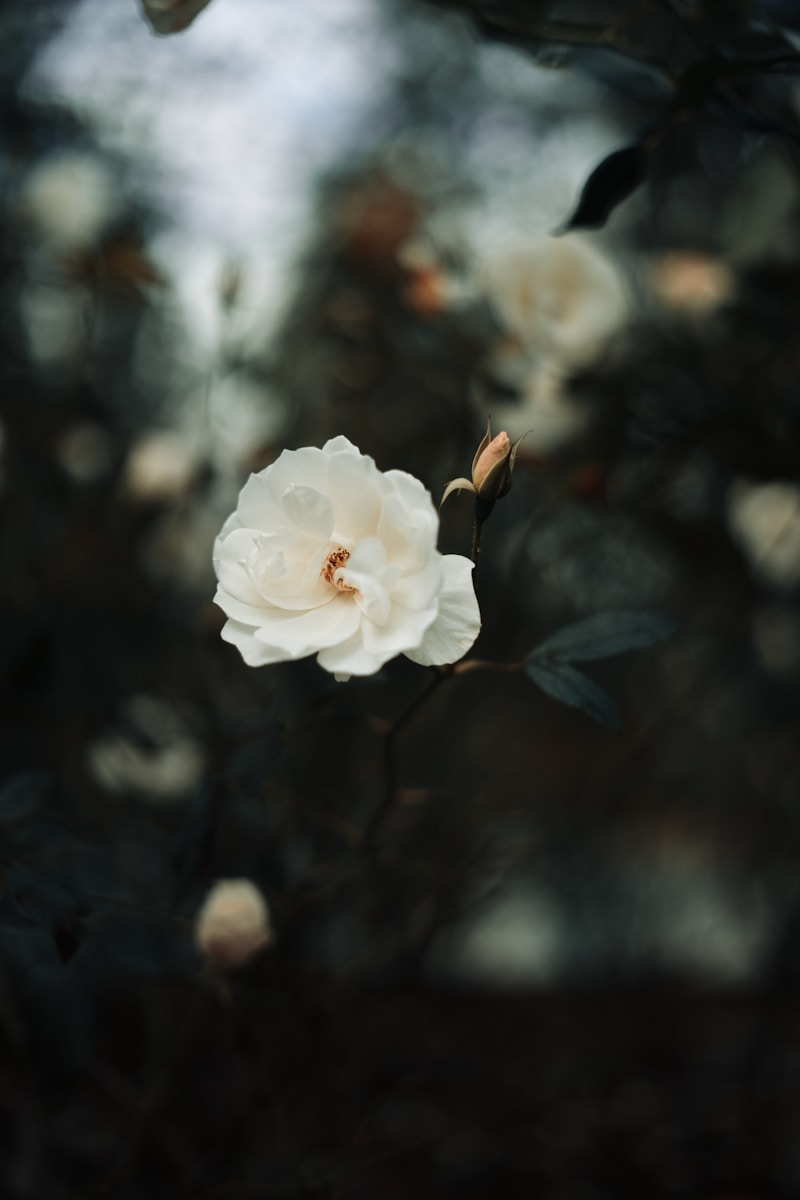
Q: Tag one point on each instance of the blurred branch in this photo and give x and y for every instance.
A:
(389, 754)
(567, 33)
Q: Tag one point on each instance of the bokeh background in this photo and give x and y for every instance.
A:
(569, 964)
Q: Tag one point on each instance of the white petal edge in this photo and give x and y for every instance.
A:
(458, 621)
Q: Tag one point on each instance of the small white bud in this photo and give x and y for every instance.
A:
(232, 924)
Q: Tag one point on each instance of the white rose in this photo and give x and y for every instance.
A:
(561, 297)
(327, 555)
(232, 923)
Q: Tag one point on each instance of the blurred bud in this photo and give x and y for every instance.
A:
(69, 198)
(171, 16)
(232, 924)
(84, 452)
(159, 469)
(492, 468)
(764, 519)
(692, 282)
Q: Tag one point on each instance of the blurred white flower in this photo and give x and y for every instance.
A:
(154, 757)
(232, 924)
(560, 300)
(157, 776)
(327, 555)
(69, 197)
(159, 468)
(764, 518)
(560, 297)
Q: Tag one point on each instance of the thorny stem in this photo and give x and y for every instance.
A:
(483, 510)
(477, 530)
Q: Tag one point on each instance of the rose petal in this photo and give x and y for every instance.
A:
(339, 444)
(372, 578)
(418, 589)
(403, 631)
(296, 634)
(256, 508)
(414, 496)
(354, 487)
(253, 653)
(308, 466)
(230, 563)
(309, 509)
(351, 658)
(271, 569)
(409, 534)
(458, 621)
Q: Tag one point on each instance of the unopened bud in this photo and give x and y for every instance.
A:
(491, 469)
(232, 924)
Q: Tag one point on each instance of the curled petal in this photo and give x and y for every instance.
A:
(405, 631)
(458, 621)
(253, 652)
(295, 635)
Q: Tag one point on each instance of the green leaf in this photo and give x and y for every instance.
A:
(605, 635)
(572, 687)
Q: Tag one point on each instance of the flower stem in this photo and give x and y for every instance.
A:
(477, 530)
(483, 510)
(389, 756)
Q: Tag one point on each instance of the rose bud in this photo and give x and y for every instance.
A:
(491, 468)
(232, 924)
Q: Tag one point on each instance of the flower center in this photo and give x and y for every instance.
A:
(337, 558)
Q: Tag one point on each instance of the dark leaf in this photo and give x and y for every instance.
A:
(605, 635)
(22, 795)
(611, 182)
(142, 944)
(572, 687)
